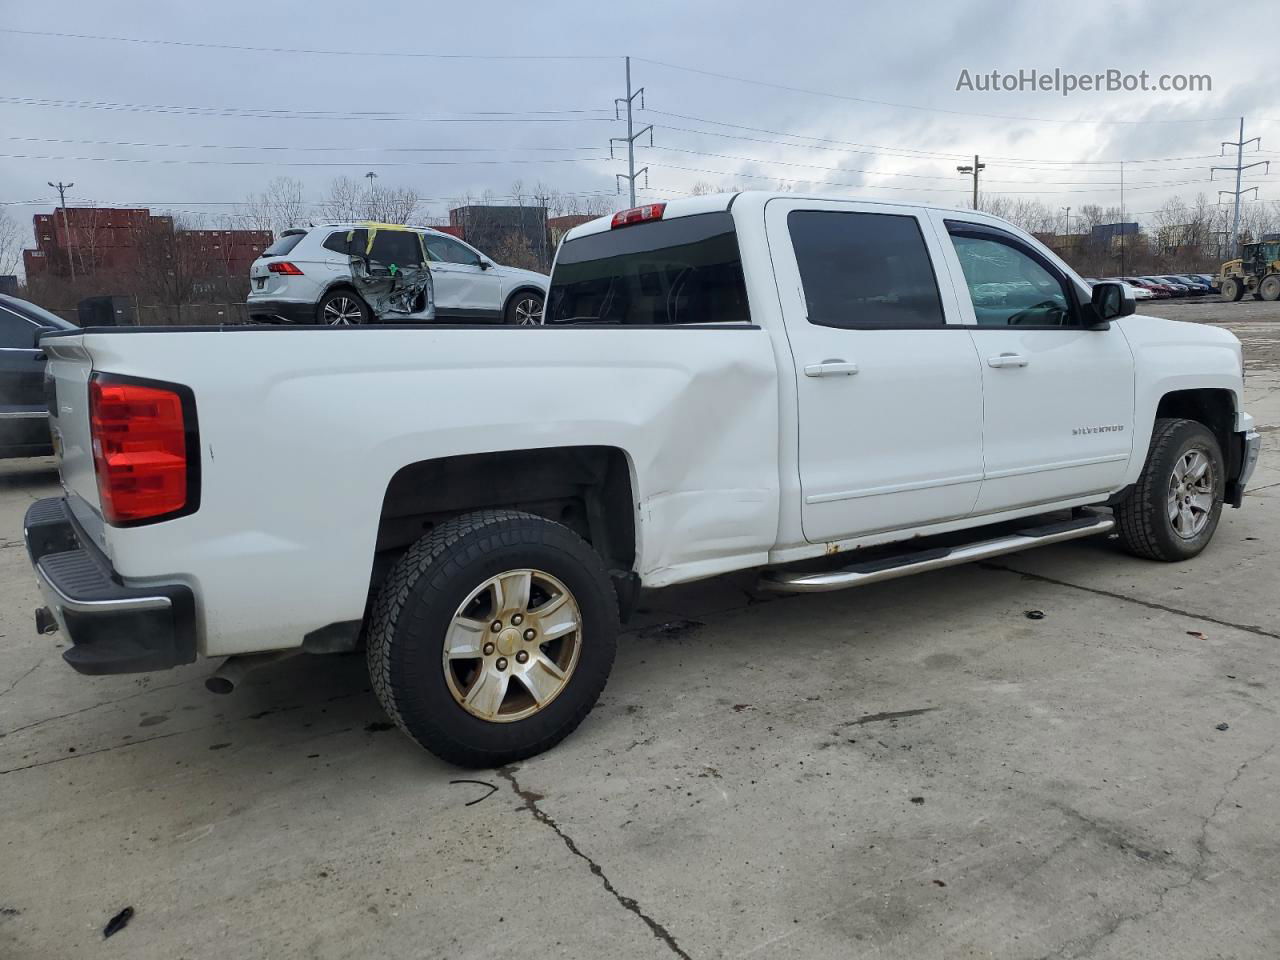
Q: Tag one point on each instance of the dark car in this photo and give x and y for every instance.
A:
(24, 414)
(1195, 286)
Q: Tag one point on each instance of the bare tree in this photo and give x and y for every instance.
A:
(11, 243)
(277, 208)
(350, 200)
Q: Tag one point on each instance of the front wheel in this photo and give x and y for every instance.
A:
(524, 310)
(1232, 289)
(492, 637)
(1270, 287)
(1173, 510)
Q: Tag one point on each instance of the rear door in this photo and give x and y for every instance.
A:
(24, 414)
(889, 389)
(1058, 397)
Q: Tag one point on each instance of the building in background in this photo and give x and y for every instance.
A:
(557, 227)
(513, 235)
(93, 241)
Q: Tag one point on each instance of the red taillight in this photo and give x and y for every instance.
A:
(625, 218)
(140, 450)
(285, 267)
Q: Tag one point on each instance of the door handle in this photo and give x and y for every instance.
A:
(831, 368)
(1007, 360)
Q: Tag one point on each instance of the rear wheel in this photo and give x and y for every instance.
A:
(524, 310)
(492, 637)
(1174, 508)
(1232, 289)
(1270, 287)
(342, 308)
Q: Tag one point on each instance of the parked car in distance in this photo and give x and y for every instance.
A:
(24, 410)
(1214, 285)
(1195, 288)
(1196, 281)
(476, 508)
(1139, 292)
(305, 277)
(1175, 289)
(1158, 291)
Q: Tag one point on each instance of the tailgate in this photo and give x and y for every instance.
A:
(67, 387)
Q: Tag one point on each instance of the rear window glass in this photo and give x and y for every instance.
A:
(685, 270)
(282, 246)
(864, 269)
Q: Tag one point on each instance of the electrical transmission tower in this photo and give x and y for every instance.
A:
(632, 136)
(1239, 168)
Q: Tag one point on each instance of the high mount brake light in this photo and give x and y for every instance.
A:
(145, 453)
(625, 218)
(285, 267)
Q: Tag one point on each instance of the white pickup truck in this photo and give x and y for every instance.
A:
(832, 392)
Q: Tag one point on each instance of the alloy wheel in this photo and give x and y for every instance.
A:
(342, 312)
(512, 645)
(1191, 493)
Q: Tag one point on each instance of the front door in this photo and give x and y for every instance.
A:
(464, 289)
(24, 414)
(888, 386)
(1058, 397)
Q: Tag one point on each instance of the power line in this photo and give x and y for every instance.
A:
(210, 45)
(262, 113)
(295, 149)
(904, 106)
(303, 163)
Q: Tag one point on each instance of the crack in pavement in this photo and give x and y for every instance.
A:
(94, 706)
(1195, 872)
(9, 689)
(1149, 604)
(530, 801)
(90, 753)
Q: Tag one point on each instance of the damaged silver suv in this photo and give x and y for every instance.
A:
(339, 274)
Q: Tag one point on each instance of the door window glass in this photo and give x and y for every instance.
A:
(864, 269)
(1009, 287)
(442, 249)
(16, 332)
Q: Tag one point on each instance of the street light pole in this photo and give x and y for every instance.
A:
(62, 189)
(974, 171)
(372, 176)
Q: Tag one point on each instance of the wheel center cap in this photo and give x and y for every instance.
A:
(508, 641)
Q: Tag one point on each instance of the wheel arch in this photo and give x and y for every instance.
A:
(587, 488)
(1215, 407)
(522, 288)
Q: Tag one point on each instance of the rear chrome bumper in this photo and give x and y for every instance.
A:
(113, 627)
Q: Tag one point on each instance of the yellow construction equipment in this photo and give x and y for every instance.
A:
(1255, 271)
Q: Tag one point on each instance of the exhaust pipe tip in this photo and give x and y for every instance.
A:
(45, 621)
(227, 677)
(219, 684)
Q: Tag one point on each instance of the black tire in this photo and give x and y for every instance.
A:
(1142, 519)
(1232, 289)
(1270, 287)
(341, 303)
(419, 600)
(524, 309)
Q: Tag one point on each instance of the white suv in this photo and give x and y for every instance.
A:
(305, 277)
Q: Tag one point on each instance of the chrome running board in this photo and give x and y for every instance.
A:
(903, 565)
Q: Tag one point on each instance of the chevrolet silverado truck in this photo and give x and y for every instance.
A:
(829, 392)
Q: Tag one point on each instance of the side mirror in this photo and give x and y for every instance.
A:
(485, 264)
(1112, 300)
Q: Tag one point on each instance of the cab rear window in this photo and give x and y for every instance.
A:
(680, 271)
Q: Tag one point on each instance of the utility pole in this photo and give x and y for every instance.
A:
(62, 189)
(371, 177)
(632, 136)
(1067, 229)
(1239, 168)
(973, 170)
(1122, 218)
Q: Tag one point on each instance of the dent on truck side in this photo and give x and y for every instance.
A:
(1172, 357)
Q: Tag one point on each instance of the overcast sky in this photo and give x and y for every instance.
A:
(909, 54)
